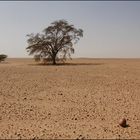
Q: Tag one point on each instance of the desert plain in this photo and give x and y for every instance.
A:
(83, 99)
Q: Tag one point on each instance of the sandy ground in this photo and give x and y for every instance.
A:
(82, 100)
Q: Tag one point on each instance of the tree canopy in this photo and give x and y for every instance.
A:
(55, 43)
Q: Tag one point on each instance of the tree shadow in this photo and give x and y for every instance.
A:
(65, 64)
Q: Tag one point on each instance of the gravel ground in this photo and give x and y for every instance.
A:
(81, 100)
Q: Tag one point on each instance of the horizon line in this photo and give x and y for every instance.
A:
(82, 58)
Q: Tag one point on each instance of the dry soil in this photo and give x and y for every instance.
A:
(83, 99)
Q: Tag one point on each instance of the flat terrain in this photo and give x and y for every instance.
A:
(84, 99)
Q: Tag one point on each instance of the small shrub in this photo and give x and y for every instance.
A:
(37, 58)
(2, 57)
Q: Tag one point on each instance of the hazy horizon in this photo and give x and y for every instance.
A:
(111, 28)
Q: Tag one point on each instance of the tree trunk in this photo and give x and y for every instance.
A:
(54, 60)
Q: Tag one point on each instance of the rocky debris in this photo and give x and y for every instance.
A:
(122, 122)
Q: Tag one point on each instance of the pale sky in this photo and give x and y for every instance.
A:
(111, 28)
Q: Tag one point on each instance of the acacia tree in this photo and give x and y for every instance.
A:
(55, 43)
(2, 57)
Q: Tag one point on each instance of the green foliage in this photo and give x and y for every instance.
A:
(55, 43)
(2, 57)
